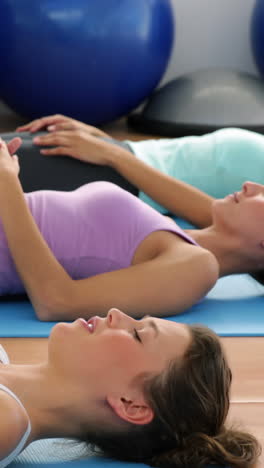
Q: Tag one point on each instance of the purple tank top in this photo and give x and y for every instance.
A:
(94, 229)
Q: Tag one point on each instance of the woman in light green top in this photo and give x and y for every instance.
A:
(217, 163)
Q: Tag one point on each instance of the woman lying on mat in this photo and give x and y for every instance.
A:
(217, 163)
(106, 382)
(78, 253)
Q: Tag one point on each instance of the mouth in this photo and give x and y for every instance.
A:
(90, 324)
(235, 197)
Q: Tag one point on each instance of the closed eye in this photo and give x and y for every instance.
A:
(136, 335)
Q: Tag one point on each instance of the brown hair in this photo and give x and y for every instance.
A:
(190, 400)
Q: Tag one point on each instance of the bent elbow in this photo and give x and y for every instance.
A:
(44, 314)
(51, 313)
(53, 306)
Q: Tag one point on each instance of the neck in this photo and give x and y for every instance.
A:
(231, 256)
(49, 400)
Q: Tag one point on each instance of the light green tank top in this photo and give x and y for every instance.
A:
(217, 163)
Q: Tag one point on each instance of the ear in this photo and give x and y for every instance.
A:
(262, 244)
(135, 412)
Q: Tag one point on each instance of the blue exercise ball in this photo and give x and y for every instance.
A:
(257, 34)
(94, 60)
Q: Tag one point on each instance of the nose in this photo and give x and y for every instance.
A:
(117, 319)
(251, 189)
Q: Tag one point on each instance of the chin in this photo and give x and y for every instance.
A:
(60, 329)
(221, 202)
(59, 338)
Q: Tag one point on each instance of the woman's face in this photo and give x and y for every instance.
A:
(242, 213)
(110, 353)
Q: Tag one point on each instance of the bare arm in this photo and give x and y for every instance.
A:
(42, 275)
(13, 424)
(163, 286)
(177, 197)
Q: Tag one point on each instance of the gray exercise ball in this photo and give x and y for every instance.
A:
(203, 101)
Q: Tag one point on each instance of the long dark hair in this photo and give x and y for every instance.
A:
(190, 401)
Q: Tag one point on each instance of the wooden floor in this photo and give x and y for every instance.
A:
(246, 355)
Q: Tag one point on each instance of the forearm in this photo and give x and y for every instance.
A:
(176, 196)
(43, 277)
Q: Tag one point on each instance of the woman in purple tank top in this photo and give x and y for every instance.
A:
(93, 247)
(100, 246)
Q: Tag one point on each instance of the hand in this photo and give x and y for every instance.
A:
(59, 122)
(13, 145)
(46, 122)
(76, 143)
(8, 163)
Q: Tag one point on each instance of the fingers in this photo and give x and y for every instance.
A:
(15, 159)
(38, 124)
(4, 151)
(16, 164)
(58, 151)
(8, 163)
(53, 139)
(75, 125)
(23, 128)
(14, 144)
(28, 127)
(62, 126)
(3, 145)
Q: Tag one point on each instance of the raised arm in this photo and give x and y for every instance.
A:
(177, 197)
(35, 263)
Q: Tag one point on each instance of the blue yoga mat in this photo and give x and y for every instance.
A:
(234, 307)
(48, 454)
(91, 463)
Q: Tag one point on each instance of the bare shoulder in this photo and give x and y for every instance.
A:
(203, 268)
(209, 265)
(195, 272)
(13, 424)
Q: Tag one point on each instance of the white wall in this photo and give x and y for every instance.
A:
(211, 33)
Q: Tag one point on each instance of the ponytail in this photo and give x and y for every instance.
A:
(231, 447)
